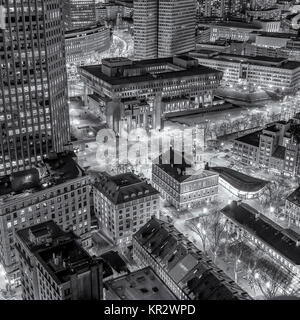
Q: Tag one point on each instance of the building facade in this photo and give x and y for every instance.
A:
(82, 44)
(54, 266)
(269, 14)
(223, 8)
(231, 30)
(263, 72)
(79, 13)
(34, 113)
(176, 27)
(123, 203)
(163, 28)
(275, 148)
(281, 245)
(145, 17)
(292, 208)
(157, 81)
(184, 186)
(57, 191)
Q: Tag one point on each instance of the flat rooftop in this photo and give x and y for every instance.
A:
(57, 250)
(281, 63)
(264, 229)
(96, 71)
(56, 169)
(142, 284)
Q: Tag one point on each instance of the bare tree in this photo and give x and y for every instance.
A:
(271, 283)
(269, 277)
(200, 226)
(217, 232)
(272, 195)
(235, 125)
(236, 250)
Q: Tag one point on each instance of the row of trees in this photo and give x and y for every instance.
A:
(210, 230)
(274, 194)
(228, 126)
(261, 273)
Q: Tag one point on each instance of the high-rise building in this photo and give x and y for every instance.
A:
(145, 29)
(54, 266)
(176, 27)
(79, 13)
(34, 118)
(164, 28)
(59, 190)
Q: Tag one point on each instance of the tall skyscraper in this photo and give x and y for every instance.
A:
(163, 28)
(34, 117)
(145, 29)
(79, 13)
(176, 27)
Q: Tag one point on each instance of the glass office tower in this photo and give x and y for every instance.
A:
(34, 116)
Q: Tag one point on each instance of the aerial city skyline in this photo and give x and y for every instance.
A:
(149, 150)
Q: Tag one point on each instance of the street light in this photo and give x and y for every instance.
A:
(256, 275)
(205, 210)
(272, 209)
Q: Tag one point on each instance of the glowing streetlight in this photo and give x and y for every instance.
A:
(205, 210)
(272, 209)
(268, 285)
(256, 275)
